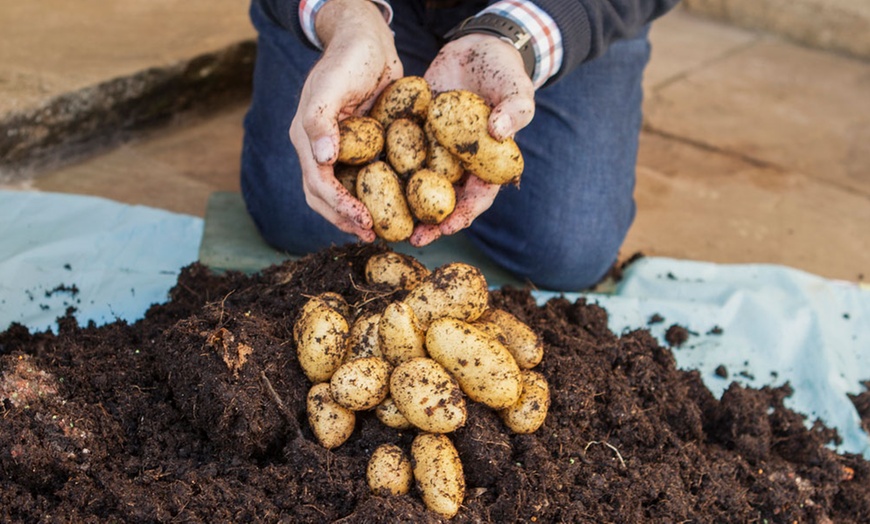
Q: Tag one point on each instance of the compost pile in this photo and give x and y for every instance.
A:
(197, 414)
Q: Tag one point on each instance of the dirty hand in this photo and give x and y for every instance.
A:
(493, 69)
(359, 60)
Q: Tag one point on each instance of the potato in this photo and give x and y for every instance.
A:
(389, 471)
(346, 175)
(406, 147)
(407, 97)
(455, 290)
(428, 396)
(380, 190)
(331, 423)
(523, 343)
(490, 329)
(361, 384)
(396, 270)
(321, 340)
(431, 197)
(400, 335)
(362, 341)
(483, 367)
(530, 410)
(390, 416)
(336, 302)
(440, 159)
(438, 473)
(361, 140)
(460, 122)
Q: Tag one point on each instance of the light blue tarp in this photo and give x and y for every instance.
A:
(776, 324)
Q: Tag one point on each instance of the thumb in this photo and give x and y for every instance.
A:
(511, 115)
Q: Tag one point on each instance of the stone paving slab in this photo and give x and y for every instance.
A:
(836, 25)
(75, 74)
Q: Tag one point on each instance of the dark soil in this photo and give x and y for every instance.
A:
(196, 414)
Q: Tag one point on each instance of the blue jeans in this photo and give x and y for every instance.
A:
(561, 229)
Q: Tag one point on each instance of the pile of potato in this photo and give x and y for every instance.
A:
(417, 364)
(402, 160)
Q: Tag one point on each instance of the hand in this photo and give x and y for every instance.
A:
(493, 69)
(358, 62)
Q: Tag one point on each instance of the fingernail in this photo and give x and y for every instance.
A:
(324, 150)
(501, 127)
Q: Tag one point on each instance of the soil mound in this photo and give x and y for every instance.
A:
(197, 414)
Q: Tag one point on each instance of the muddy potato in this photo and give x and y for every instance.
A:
(440, 159)
(361, 140)
(491, 329)
(380, 190)
(530, 410)
(389, 415)
(389, 471)
(459, 121)
(438, 473)
(331, 423)
(428, 396)
(361, 384)
(407, 97)
(406, 147)
(453, 290)
(523, 343)
(431, 197)
(400, 335)
(321, 340)
(483, 367)
(397, 270)
(362, 341)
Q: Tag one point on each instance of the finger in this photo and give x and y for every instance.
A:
(511, 115)
(475, 197)
(424, 234)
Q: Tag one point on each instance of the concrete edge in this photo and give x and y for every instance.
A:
(79, 123)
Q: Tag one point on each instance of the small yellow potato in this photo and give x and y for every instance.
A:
(389, 471)
(406, 147)
(397, 270)
(440, 159)
(483, 367)
(380, 190)
(530, 410)
(321, 340)
(428, 396)
(491, 329)
(455, 290)
(362, 341)
(336, 302)
(407, 97)
(389, 415)
(400, 335)
(361, 384)
(431, 197)
(438, 473)
(460, 122)
(361, 140)
(331, 423)
(523, 343)
(347, 176)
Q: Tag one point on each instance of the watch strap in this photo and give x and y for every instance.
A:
(502, 27)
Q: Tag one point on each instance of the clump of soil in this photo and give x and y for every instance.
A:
(196, 414)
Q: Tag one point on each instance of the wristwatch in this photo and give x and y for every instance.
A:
(502, 27)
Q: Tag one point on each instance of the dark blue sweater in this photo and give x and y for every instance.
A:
(588, 26)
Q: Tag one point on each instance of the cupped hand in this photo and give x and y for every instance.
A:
(493, 69)
(358, 62)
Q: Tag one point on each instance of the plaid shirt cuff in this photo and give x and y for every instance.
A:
(546, 37)
(308, 9)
